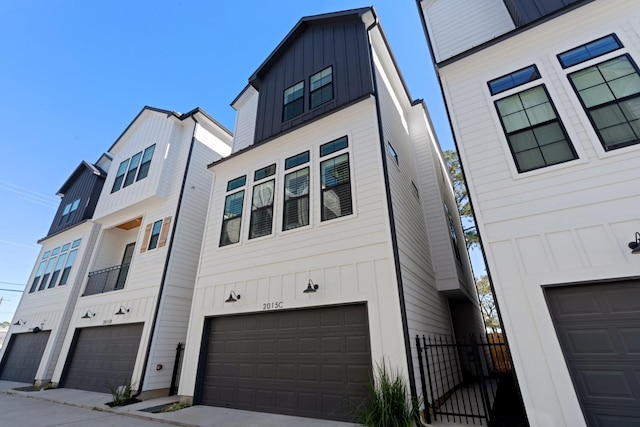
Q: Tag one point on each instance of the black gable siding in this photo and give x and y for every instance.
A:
(525, 11)
(86, 187)
(343, 46)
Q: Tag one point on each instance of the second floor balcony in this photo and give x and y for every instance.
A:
(106, 280)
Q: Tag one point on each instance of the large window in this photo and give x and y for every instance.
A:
(296, 199)
(610, 93)
(321, 87)
(262, 209)
(335, 180)
(293, 101)
(55, 264)
(69, 212)
(133, 169)
(534, 132)
(232, 216)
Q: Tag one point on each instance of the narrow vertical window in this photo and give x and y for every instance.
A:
(146, 162)
(133, 168)
(67, 267)
(534, 132)
(47, 273)
(296, 199)
(392, 152)
(336, 187)
(122, 169)
(262, 209)
(56, 271)
(321, 87)
(36, 279)
(452, 232)
(232, 218)
(155, 235)
(293, 101)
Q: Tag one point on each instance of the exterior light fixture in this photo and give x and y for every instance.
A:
(20, 322)
(123, 310)
(233, 297)
(88, 315)
(311, 288)
(635, 246)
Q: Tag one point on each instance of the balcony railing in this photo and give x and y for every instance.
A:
(106, 280)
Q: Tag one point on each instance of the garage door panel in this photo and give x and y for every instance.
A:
(23, 356)
(598, 327)
(312, 362)
(103, 357)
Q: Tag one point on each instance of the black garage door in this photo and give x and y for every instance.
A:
(102, 357)
(23, 355)
(599, 331)
(311, 363)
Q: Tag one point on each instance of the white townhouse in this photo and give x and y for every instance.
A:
(544, 101)
(34, 339)
(132, 294)
(332, 237)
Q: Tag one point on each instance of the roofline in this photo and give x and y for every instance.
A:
(93, 168)
(254, 79)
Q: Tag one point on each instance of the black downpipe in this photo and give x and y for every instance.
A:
(166, 264)
(394, 240)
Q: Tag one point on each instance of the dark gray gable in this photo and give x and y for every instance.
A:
(337, 40)
(525, 11)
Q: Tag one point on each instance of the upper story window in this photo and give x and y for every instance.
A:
(56, 264)
(589, 51)
(155, 235)
(296, 192)
(452, 233)
(133, 169)
(69, 212)
(534, 132)
(514, 79)
(610, 94)
(262, 203)
(293, 101)
(232, 216)
(335, 180)
(392, 152)
(321, 87)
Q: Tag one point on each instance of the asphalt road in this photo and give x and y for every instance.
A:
(19, 411)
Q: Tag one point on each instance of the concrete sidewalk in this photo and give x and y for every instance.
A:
(20, 408)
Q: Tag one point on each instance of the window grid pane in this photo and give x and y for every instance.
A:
(514, 79)
(133, 168)
(262, 210)
(333, 146)
(336, 187)
(296, 160)
(321, 85)
(293, 101)
(296, 199)
(232, 218)
(120, 176)
(589, 51)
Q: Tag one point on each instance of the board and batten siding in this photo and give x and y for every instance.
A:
(455, 26)
(350, 258)
(562, 224)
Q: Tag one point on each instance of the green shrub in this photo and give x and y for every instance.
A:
(120, 394)
(389, 403)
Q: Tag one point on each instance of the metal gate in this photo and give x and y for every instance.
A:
(469, 381)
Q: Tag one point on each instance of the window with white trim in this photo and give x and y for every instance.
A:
(133, 169)
(296, 192)
(232, 215)
(261, 222)
(55, 264)
(335, 180)
(155, 235)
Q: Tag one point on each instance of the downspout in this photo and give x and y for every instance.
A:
(394, 240)
(166, 263)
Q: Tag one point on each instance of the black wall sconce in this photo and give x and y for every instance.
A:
(233, 297)
(122, 311)
(88, 315)
(311, 287)
(635, 246)
(20, 322)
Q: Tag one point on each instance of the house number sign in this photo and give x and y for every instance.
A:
(272, 305)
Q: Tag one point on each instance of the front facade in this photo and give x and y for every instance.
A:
(327, 246)
(543, 100)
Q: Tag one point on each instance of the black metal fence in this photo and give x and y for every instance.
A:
(462, 381)
(177, 370)
(106, 280)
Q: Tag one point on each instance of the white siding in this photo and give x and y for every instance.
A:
(562, 224)
(455, 26)
(247, 109)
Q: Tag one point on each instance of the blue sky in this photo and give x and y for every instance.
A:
(75, 73)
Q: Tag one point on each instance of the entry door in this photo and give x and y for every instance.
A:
(126, 261)
(598, 327)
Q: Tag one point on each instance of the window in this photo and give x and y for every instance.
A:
(56, 271)
(514, 79)
(128, 171)
(293, 101)
(146, 162)
(236, 183)
(335, 181)
(264, 172)
(133, 168)
(610, 93)
(67, 267)
(36, 279)
(321, 87)
(452, 232)
(47, 273)
(232, 218)
(296, 199)
(535, 135)
(49, 270)
(415, 190)
(392, 152)
(122, 169)
(589, 51)
(262, 209)
(296, 160)
(69, 212)
(155, 235)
